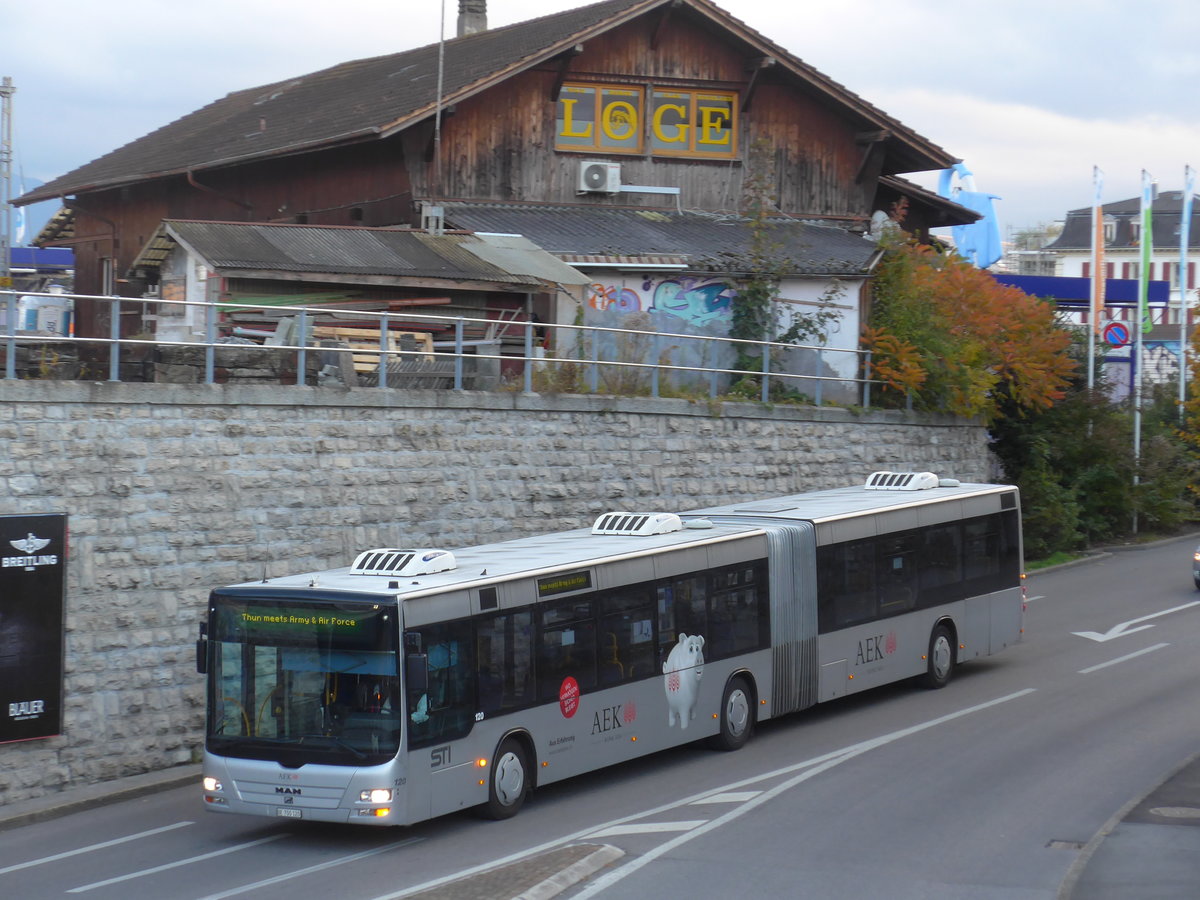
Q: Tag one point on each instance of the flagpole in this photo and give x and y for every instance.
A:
(1146, 242)
(1185, 223)
(1097, 273)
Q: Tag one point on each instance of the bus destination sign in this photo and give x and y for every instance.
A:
(553, 585)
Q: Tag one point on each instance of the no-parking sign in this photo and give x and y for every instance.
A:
(1116, 333)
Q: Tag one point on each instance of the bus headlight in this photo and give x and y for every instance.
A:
(211, 784)
(379, 795)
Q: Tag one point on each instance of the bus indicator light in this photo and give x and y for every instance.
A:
(482, 763)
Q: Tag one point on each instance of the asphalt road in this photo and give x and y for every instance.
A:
(990, 788)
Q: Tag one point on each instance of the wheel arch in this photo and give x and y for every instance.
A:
(751, 682)
(952, 627)
(525, 739)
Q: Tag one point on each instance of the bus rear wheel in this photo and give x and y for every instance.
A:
(737, 715)
(940, 668)
(509, 781)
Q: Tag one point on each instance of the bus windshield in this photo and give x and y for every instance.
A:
(303, 681)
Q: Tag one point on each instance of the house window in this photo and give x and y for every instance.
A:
(679, 122)
(599, 117)
(692, 123)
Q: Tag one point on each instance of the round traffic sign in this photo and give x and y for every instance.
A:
(1116, 333)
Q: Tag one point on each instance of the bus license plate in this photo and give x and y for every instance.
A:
(289, 813)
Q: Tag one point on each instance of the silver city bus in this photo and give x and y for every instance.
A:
(419, 682)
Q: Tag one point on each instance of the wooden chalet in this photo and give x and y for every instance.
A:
(622, 107)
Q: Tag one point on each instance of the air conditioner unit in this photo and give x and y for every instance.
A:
(599, 177)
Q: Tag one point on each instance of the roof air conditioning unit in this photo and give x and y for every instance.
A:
(389, 561)
(637, 524)
(599, 177)
(901, 481)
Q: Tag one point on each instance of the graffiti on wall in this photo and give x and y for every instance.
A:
(700, 301)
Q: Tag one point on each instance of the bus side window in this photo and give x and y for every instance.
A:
(505, 654)
(846, 584)
(446, 710)
(682, 609)
(738, 611)
(566, 647)
(897, 574)
(626, 635)
(941, 564)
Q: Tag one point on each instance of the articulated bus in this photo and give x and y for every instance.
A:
(415, 683)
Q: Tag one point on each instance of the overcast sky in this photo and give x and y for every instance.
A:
(1030, 94)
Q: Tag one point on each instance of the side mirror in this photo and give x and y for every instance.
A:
(202, 649)
(416, 672)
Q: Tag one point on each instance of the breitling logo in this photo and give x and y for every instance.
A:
(29, 545)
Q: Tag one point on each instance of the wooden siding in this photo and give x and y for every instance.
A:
(500, 145)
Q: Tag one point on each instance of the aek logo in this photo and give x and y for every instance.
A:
(874, 648)
(613, 717)
(29, 545)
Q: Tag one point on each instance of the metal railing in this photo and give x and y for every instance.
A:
(581, 358)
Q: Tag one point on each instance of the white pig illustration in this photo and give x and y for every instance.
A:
(681, 679)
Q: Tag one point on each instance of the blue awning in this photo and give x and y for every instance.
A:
(1078, 291)
(44, 259)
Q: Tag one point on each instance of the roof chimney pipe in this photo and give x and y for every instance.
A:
(472, 17)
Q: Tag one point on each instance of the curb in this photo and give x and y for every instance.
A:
(573, 874)
(1066, 888)
(1105, 552)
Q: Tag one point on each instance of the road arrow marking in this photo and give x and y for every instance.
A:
(1124, 628)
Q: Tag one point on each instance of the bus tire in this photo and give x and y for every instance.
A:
(940, 668)
(737, 715)
(508, 782)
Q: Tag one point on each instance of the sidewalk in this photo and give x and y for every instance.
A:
(1150, 850)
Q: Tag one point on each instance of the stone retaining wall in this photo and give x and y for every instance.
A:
(172, 490)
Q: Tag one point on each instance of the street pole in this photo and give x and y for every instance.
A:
(6, 156)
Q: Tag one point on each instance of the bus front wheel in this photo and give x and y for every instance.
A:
(940, 666)
(737, 715)
(509, 781)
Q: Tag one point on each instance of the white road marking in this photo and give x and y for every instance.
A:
(820, 761)
(1123, 628)
(93, 847)
(830, 761)
(174, 865)
(342, 860)
(648, 828)
(728, 797)
(1121, 659)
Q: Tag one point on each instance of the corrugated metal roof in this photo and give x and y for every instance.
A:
(521, 256)
(371, 98)
(605, 236)
(331, 250)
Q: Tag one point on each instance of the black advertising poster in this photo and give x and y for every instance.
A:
(33, 568)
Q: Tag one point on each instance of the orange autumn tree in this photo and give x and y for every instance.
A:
(958, 341)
